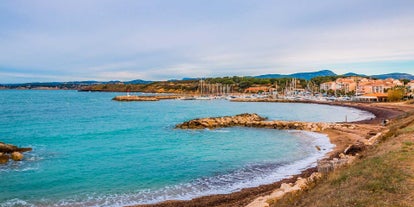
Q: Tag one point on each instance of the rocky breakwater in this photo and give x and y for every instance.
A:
(251, 120)
(8, 151)
(219, 122)
(134, 98)
(143, 98)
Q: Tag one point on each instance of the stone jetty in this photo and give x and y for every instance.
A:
(8, 151)
(252, 120)
(143, 98)
(271, 100)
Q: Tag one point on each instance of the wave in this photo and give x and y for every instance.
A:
(30, 161)
(220, 131)
(250, 176)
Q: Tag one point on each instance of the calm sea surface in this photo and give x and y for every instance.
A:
(91, 151)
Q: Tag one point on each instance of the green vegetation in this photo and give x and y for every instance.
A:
(245, 82)
(155, 87)
(239, 84)
(395, 94)
(323, 79)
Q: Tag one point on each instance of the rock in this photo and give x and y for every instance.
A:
(214, 122)
(289, 187)
(301, 183)
(372, 133)
(4, 158)
(314, 177)
(354, 148)
(24, 149)
(325, 166)
(17, 156)
(7, 148)
(285, 186)
(277, 194)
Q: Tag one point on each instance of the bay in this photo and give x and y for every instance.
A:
(91, 151)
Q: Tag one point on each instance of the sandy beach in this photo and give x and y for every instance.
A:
(342, 137)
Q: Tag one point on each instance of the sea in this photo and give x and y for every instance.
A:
(89, 150)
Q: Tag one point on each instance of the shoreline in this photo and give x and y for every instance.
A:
(336, 137)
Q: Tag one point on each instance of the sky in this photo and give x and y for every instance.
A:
(56, 40)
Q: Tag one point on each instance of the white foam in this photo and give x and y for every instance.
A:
(16, 202)
(29, 162)
(361, 114)
(250, 176)
(221, 131)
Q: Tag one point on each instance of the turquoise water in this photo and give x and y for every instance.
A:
(91, 151)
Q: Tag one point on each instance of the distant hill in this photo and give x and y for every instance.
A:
(310, 75)
(71, 84)
(354, 74)
(138, 81)
(395, 76)
(304, 75)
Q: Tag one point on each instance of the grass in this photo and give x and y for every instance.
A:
(374, 181)
(384, 177)
(408, 129)
(409, 143)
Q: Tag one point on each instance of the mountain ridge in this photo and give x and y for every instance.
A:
(300, 75)
(310, 75)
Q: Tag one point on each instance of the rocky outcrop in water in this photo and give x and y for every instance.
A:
(225, 121)
(8, 151)
(251, 120)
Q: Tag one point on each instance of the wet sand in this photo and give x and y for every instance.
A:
(341, 137)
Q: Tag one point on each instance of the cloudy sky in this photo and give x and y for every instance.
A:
(58, 40)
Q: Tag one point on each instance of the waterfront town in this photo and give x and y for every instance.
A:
(343, 89)
(355, 89)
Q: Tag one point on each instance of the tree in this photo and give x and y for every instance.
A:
(395, 94)
(245, 84)
(323, 79)
(405, 81)
(330, 92)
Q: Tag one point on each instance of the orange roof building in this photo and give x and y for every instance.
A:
(257, 89)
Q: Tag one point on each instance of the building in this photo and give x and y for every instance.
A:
(331, 85)
(345, 84)
(257, 89)
(366, 86)
(410, 86)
